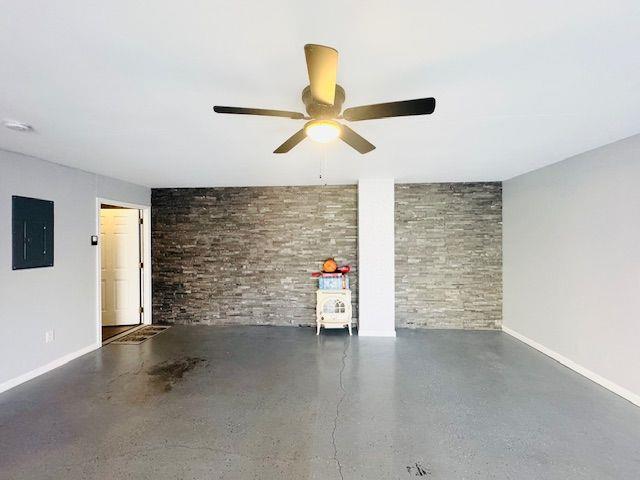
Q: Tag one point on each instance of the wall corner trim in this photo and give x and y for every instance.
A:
(594, 377)
(377, 333)
(14, 382)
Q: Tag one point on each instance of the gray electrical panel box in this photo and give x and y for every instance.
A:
(32, 232)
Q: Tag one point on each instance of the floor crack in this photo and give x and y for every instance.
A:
(335, 420)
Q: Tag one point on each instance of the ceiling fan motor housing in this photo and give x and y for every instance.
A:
(323, 111)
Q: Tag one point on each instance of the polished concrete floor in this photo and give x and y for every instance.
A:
(281, 403)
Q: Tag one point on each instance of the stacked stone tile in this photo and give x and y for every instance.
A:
(448, 243)
(245, 255)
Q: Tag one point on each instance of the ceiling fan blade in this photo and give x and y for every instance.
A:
(356, 141)
(291, 142)
(419, 106)
(322, 65)
(259, 111)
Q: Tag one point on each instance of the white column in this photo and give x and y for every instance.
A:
(376, 282)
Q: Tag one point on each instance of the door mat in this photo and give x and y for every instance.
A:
(141, 335)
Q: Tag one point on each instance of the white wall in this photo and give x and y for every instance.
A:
(572, 263)
(63, 297)
(376, 258)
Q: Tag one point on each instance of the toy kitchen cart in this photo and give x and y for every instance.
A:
(333, 309)
(333, 302)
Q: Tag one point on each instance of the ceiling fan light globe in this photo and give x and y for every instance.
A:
(322, 131)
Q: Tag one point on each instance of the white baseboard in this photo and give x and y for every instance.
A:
(376, 333)
(14, 382)
(609, 385)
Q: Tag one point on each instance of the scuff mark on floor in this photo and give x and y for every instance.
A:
(335, 420)
(418, 470)
(170, 372)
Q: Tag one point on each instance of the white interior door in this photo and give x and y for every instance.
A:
(120, 249)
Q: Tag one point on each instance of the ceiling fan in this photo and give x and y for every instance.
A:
(323, 99)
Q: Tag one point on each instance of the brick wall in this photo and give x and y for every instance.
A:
(244, 255)
(449, 255)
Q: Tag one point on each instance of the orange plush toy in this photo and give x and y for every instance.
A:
(329, 265)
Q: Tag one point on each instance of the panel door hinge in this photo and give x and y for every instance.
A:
(141, 221)
(141, 265)
(141, 309)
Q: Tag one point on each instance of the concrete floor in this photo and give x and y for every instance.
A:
(281, 403)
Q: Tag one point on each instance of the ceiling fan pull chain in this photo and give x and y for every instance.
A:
(325, 160)
(323, 166)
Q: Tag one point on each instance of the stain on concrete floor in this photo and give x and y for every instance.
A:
(168, 373)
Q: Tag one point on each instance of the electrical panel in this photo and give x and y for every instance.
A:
(32, 232)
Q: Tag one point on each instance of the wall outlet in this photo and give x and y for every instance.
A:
(49, 336)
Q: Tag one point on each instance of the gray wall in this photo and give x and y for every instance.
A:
(449, 255)
(244, 255)
(112, 189)
(572, 260)
(63, 297)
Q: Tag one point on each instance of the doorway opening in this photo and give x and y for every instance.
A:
(121, 270)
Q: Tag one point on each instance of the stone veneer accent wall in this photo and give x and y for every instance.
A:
(244, 255)
(448, 243)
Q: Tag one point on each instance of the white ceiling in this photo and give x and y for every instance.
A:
(126, 88)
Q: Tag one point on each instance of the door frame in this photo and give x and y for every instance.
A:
(145, 239)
